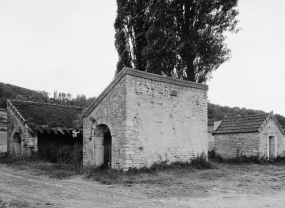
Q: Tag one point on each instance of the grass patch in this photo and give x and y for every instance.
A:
(59, 162)
(40, 167)
(155, 174)
(243, 159)
(158, 173)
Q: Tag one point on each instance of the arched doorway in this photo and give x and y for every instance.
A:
(17, 144)
(102, 146)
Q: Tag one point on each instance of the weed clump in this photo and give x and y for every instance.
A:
(244, 159)
(147, 174)
(58, 162)
(68, 157)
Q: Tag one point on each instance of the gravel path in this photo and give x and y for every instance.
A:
(22, 189)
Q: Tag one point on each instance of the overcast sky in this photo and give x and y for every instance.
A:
(68, 46)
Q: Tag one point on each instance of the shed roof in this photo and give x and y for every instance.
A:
(246, 124)
(47, 116)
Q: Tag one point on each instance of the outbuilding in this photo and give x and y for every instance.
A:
(143, 118)
(252, 135)
(33, 127)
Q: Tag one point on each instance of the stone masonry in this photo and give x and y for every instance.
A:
(268, 141)
(16, 126)
(151, 119)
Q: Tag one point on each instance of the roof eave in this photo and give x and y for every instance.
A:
(245, 132)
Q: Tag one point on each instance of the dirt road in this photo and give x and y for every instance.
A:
(20, 188)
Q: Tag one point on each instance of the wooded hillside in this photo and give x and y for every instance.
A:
(8, 91)
(217, 113)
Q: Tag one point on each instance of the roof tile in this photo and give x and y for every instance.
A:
(46, 115)
(246, 124)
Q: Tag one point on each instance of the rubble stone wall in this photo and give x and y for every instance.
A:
(111, 111)
(231, 145)
(29, 142)
(271, 129)
(165, 121)
(151, 119)
(250, 144)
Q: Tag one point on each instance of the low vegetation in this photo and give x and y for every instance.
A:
(243, 159)
(155, 174)
(242, 174)
(67, 161)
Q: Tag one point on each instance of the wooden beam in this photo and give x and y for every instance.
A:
(40, 130)
(67, 131)
(47, 131)
(60, 130)
(29, 128)
(55, 131)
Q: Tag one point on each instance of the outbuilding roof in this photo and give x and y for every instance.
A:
(246, 124)
(45, 116)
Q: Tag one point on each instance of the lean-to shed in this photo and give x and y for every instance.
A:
(33, 126)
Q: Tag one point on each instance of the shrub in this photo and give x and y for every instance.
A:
(243, 159)
(3, 155)
(69, 157)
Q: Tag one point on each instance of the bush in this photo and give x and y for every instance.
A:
(3, 155)
(69, 157)
(243, 159)
(134, 175)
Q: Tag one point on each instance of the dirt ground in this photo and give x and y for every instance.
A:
(224, 187)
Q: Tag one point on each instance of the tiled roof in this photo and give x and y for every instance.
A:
(246, 124)
(47, 116)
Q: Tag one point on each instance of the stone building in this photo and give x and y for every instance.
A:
(210, 138)
(253, 135)
(142, 118)
(32, 126)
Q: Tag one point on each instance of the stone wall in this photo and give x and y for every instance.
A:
(111, 111)
(229, 145)
(165, 121)
(151, 119)
(210, 138)
(211, 142)
(256, 144)
(271, 129)
(28, 141)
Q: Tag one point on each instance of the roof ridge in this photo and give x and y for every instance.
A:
(28, 101)
(258, 114)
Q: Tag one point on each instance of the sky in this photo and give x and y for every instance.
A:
(68, 46)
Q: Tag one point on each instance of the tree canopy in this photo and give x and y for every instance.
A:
(177, 38)
(217, 113)
(8, 91)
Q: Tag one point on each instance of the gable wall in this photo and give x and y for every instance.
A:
(229, 145)
(269, 130)
(161, 126)
(111, 111)
(28, 140)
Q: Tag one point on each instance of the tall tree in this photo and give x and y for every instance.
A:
(130, 28)
(178, 38)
